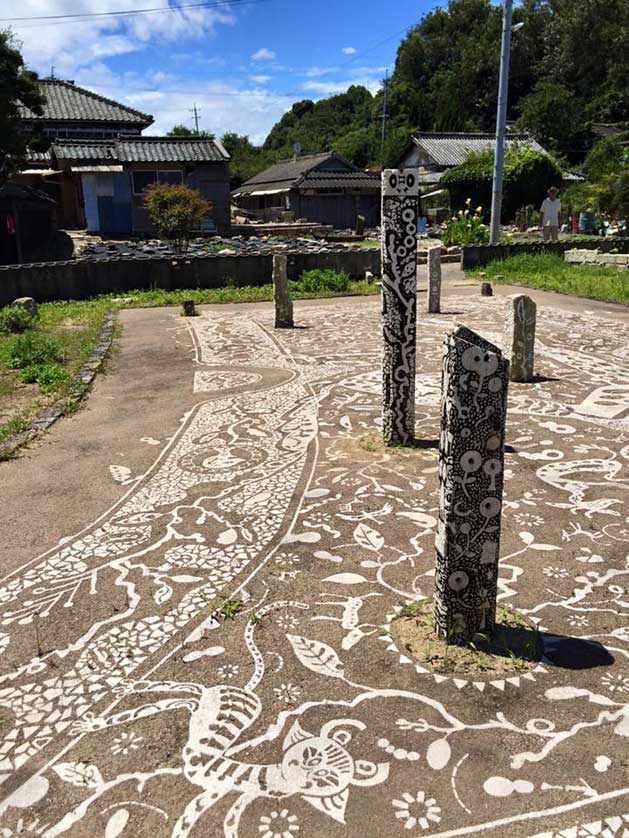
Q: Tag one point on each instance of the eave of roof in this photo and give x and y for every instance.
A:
(142, 150)
(88, 106)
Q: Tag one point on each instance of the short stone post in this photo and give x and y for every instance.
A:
(486, 290)
(399, 304)
(281, 293)
(519, 336)
(360, 225)
(475, 379)
(188, 309)
(28, 304)
(434, 280)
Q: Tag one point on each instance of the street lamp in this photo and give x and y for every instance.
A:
(501, 120)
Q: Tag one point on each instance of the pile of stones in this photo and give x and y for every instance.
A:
(217, 245)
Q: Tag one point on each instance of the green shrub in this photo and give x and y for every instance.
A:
(527, 176)
(32, 349)
(310, 282)
(466, 227)
(48, 377)
(14, 319)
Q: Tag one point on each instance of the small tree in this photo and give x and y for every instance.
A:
(18, 89)
(176, 211)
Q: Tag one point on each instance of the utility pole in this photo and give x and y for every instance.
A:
(196, 112)
(384, 117)
(501, 120)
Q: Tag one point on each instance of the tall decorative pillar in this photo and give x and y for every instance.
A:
(434, 280)
(281, 293)
(399, 303)
(475, 378)
(519, 336)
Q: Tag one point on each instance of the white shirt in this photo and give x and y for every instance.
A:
(551, 209)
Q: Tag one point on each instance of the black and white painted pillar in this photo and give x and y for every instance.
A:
(433, 258)
(399, 304)
(475, 378)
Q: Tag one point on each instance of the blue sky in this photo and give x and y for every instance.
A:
(243, 65)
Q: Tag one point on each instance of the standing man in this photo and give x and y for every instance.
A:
(549, 220)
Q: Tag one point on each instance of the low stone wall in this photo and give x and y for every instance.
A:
(84, 277)
(479, 255)
(595, 257)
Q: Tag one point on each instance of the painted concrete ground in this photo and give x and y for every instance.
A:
(127, 708)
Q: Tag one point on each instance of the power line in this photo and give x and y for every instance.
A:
(129, 12)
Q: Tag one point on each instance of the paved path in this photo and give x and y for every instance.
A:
(219, 459)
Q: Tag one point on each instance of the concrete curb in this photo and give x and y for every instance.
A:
(75, 393)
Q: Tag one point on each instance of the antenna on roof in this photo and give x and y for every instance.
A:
(52, 71)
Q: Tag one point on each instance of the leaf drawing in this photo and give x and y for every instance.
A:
(346, 578)
(316, 656)
(116, 823)
(79, 774)
(368, 538)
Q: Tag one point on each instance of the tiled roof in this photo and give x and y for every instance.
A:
(451, 149)
(67, 102)
(340, 180)
(142, 150)
(84, 149)
(287, 174)
(290, 170)
(37, 156)
(170, 150)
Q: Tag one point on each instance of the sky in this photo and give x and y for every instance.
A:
(242, 63)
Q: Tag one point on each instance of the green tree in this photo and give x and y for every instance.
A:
(555, 117)
(181, 130)
(176, 211)
(246, 159)
(18, 90)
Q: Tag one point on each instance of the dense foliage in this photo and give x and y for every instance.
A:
(527, 176)
(607, 190)
(176, 211)
(18, 87)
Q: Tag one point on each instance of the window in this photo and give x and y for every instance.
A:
(143, 179)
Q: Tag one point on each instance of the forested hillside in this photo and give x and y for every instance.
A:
(569, 68)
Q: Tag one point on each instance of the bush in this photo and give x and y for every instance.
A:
(48, 377)
(176, 211)
(32, 349)
(14, 319)
(466, 227)
(527, 176)
(310, 282)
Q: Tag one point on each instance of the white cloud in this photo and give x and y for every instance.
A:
(329, 87)
(75, 44)
(350, 50)
(314, 72)
(263, 54)
(260, 79)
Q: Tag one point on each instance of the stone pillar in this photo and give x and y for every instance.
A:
(519, 336)
(434, 280)
(475, 379)
(399, 303)
(281, 293)
(360, 225)
(486, 290)
(188, 309)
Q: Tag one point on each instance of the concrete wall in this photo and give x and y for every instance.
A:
(83, 278)
(479, 255)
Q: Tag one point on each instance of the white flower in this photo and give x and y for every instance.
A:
(228, 671)
(417, 811)
(578, 620)
(278, 825)
(615, 683)
(126, 742)
(287, 692)
(287, 560)
(287, 622)
(555, 572)
(528, 519)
